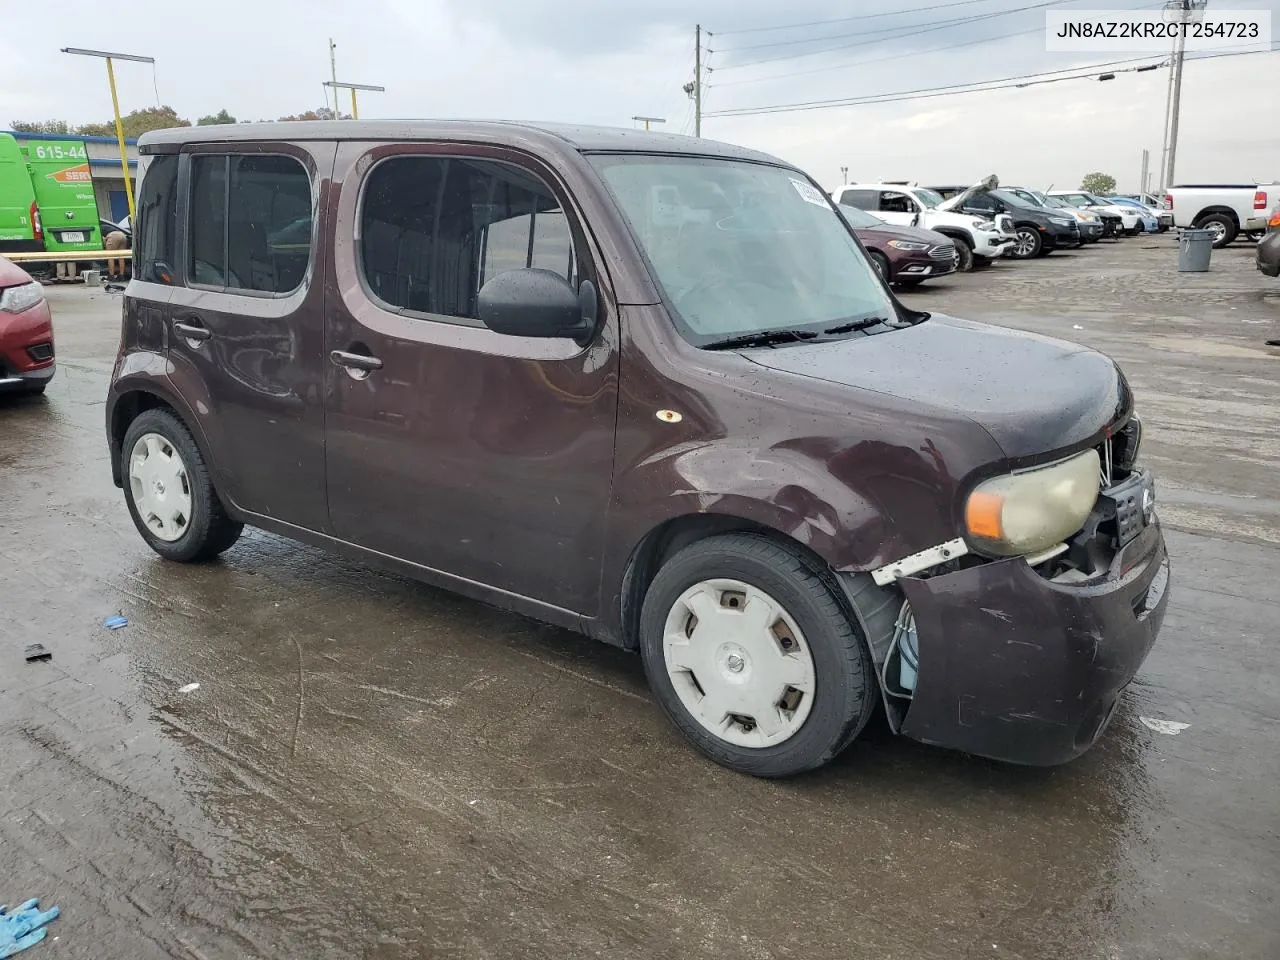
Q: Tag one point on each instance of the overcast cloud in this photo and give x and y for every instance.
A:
(603, 62)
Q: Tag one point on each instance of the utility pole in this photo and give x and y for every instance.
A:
(694, 88)
(1142, 181)
(844, 172)
(697, 81)
(333, 76)
(1183, 10)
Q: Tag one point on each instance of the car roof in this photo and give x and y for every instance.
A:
(580, 137)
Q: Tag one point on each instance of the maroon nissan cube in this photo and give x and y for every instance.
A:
(648, 388)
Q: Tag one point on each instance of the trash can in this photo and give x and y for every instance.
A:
(1194, 249)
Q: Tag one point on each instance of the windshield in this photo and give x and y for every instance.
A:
(741, 248)
(1013, 199)
(930, 198)
(860, 218)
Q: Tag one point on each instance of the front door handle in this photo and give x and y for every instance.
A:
(190, 331)
(357, 365)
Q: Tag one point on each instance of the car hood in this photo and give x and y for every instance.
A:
(894, 232)
(11, 275)
(956, 202)
(1032, 394)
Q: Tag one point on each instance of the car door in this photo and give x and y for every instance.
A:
(897, 207)
(246, 341)
(484, 457)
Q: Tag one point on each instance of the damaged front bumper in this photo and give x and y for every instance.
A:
(1024, 669)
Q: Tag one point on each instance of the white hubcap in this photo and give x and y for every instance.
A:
(160, 488)
(739, 663)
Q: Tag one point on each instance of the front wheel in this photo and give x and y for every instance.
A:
(1027, 244)
(752, 656)
(169, 492)
(881, 263)
(965, 260)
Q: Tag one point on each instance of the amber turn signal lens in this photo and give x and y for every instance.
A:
(982, 515)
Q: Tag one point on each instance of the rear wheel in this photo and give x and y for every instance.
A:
(1256, 235)
(169, 492)
(1027, 244)
(752, 656)
(1223, 227)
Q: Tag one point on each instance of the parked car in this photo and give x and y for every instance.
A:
(1269, 246)
(1087, 221)
(906, 256)
(1155, 204)
(647, 387)
(1226, 209)
(978, 240)
(1148, 220)
(1129, 218)
(26, 333)
(1038, 230)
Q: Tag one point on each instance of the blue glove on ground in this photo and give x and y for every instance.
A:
(24, 927)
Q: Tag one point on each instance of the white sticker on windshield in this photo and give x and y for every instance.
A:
(808, 192)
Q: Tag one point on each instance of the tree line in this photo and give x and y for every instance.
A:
(139, 122)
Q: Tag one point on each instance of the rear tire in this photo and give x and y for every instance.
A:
(1223, 226)
(800, 620)
(205, 530)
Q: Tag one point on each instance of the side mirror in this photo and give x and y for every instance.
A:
(538, 303)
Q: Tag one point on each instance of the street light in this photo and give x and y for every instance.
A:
(353, 87)
(648, 120)
(115, 106)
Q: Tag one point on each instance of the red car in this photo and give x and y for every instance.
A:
(904, 256)
(26, 332)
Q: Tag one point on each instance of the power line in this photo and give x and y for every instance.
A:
(931, 28)
(894, 56)
(861, 33)
(862, 16)
(976, 86)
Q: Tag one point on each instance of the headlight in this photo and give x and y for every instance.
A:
(986, 225)
(1087, 217)
(19, 298)
(908, 245)
(1060, 221)
(1023, 513)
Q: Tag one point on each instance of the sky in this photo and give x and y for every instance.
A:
(599, 61)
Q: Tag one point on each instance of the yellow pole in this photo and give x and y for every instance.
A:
(355, 113)
(124, 151)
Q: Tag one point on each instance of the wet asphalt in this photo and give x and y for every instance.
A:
(374, 768)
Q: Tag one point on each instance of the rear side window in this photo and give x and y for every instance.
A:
(434, 230)
(250, 223)
(860, 199)
(157, 220)
(891, 202)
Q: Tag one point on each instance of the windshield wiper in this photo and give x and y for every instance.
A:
(860, 324)
(766, 338)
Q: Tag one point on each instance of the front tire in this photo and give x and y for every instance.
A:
(752, 656)
(965, 260)
(881, 263)
(169, 492)
(1028, 244)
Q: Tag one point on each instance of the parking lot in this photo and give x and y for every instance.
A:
(374, 768)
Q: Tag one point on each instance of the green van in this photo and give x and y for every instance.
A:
(46, 196)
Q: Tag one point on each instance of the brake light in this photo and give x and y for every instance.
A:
(37, 228)
(1260, 200)
(1275, 218)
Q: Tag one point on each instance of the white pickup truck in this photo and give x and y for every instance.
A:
(1226, 209)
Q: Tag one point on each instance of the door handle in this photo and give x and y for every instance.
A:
(192, 331)
(356, 361)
